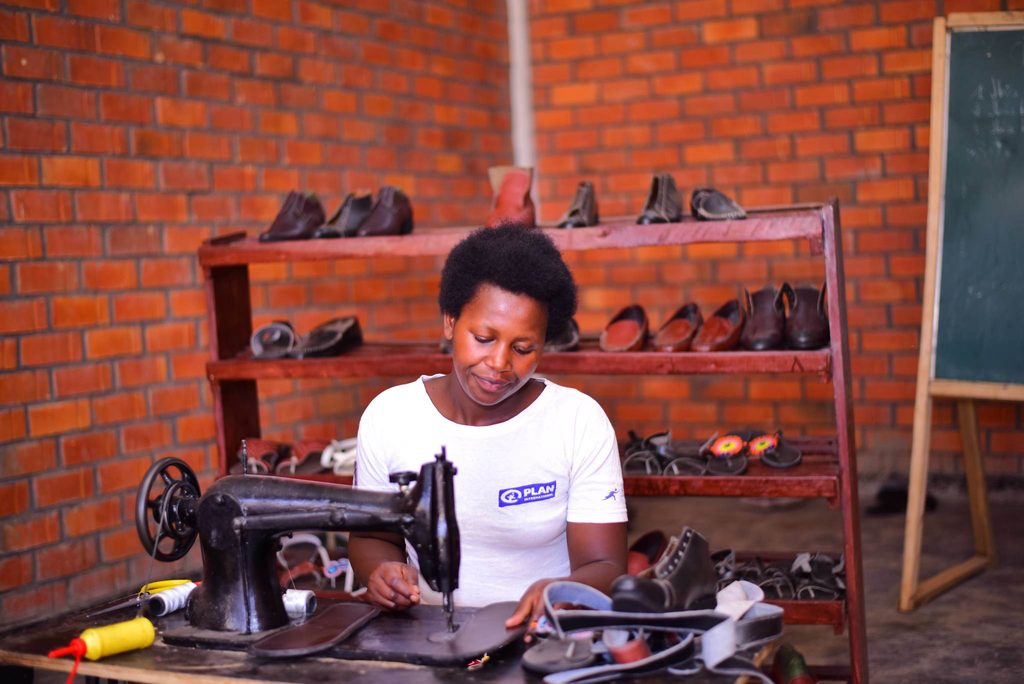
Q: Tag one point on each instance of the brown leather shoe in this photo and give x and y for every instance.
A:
(664, 203)
(391, 214)
(722, 330)
(626, 331)
(350, 215)
(300, 215)
(677, 333)
(583, 210)
(766, 320)
(807, 322)
(512, 201)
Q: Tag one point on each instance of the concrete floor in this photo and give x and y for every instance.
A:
(970, 634)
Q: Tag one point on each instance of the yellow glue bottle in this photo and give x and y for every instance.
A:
(100, 642)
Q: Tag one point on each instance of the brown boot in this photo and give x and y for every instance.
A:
(512, 201)
(583, 210)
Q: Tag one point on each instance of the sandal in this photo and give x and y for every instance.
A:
(305, 459)
(262, 456)
(330, 338)
(275, 340)
(818, 577)
(773, 451)
(726, 455)
(647, 455)
(339, 456)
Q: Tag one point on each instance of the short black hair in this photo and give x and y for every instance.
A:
(517, 259)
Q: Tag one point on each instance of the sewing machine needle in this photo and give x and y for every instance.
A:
(449, 611)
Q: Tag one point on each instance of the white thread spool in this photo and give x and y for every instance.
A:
(299, 603)
(169, 600)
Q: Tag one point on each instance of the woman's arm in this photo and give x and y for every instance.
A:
(378, 559)
(597, 555)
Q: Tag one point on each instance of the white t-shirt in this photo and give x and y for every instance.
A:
(517, 483)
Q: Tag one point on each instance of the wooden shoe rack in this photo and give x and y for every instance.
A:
(828, 469)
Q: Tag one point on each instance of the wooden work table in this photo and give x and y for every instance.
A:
(161, 663)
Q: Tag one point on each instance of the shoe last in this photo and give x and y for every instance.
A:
(512, 201)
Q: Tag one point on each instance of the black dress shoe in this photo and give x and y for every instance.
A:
(583, 210)
(708, 204)
(298, 219)
(684, 579)
(766, 320)
(391, 214)
(349, 217)
(664, 203)
(807, 322)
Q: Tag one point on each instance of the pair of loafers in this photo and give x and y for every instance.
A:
(685, 330)
(628, 330)
(769, 326)
(302, 216)
(277, 340)
(664, 203)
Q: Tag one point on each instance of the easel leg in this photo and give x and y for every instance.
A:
(912, 592)
(916, 492)
(977, 492)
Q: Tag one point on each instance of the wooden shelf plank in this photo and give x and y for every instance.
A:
(614, 233)
(405, 359)
(813, 613)
(818, 478)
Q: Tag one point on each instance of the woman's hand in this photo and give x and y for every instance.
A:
(531, 605)
(394, 586)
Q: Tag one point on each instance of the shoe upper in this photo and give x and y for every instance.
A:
(300, 215)
(664, 203)
(391, 214)
(766, 320)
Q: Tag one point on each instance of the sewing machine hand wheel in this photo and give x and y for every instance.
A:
(165, 508)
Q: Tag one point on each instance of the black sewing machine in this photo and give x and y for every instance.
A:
(239, 519)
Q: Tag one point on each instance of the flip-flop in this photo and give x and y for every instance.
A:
(726, 455)
(773, 451)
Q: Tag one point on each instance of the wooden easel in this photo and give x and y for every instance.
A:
(913, 592)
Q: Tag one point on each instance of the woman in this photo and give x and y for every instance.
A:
(538, 491)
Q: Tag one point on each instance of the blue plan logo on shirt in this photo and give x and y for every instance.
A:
(514, 496)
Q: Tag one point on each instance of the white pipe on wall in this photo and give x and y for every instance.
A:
(524, 148)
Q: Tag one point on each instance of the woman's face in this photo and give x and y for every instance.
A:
(497, 342)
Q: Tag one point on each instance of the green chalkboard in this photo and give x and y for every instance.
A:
(979, 325)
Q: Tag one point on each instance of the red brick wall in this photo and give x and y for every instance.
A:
(132, 130)
(773, 102)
